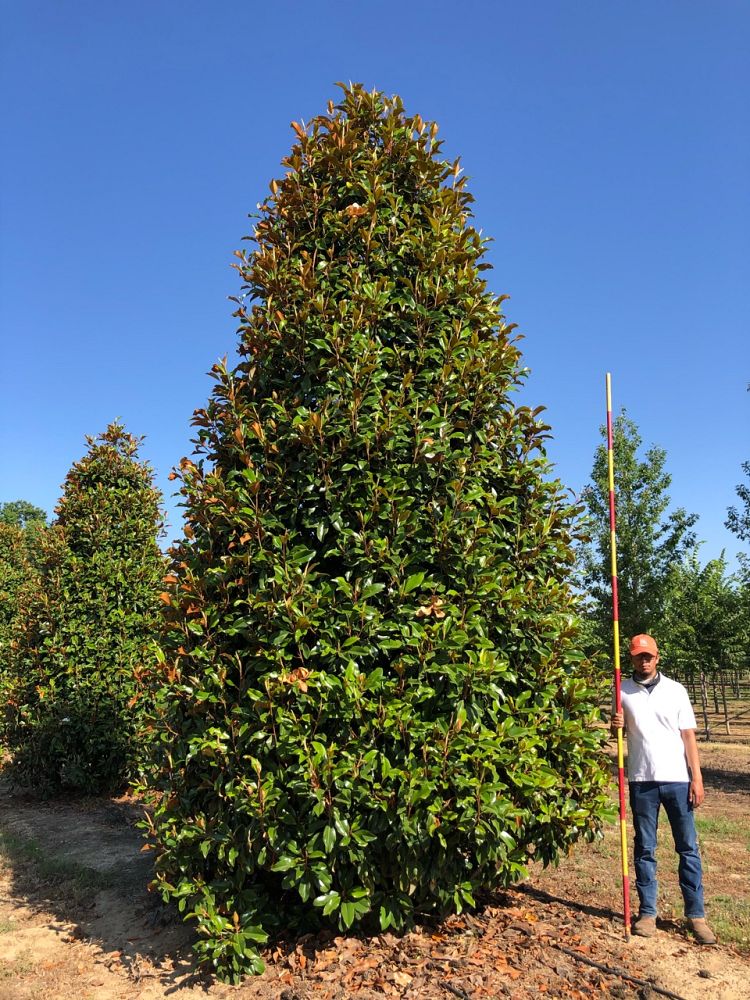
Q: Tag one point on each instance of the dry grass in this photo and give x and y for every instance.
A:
(593, 872)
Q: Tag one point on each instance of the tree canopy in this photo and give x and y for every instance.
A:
(21, 513)
(738, 518)
(652, 539)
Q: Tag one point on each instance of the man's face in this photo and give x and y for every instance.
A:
(644, 665)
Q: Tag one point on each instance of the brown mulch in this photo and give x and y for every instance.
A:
(519, 944)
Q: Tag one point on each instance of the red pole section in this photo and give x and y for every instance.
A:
(617, 677)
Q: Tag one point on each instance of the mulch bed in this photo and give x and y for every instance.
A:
(520, 944)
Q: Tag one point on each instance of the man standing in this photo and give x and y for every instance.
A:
(663, 770)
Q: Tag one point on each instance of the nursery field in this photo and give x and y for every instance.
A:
(738, 720)
(76, 918)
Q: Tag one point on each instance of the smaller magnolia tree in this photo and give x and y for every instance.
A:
(22, 527)
(73, 686)
(17, 564)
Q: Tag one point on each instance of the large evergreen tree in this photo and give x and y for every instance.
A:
(90, 626)
(373, 697)
(652, 539)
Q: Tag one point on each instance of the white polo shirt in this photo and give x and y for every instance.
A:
(654, 720)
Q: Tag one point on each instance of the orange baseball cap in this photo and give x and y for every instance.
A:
(643, 644)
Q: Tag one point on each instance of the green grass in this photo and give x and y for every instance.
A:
(730, 919)
(728, 916)
(722, 828)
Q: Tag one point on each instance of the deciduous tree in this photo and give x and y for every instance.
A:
(705, 627)
(21, 513)
(651, 539)
(738, 518)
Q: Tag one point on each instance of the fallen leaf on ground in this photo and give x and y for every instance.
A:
(402, 978)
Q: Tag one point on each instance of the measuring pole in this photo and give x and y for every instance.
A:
(616, 641)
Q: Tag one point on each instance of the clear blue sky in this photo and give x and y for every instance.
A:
(608, 146)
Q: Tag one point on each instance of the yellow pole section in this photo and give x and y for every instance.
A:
(616, 652)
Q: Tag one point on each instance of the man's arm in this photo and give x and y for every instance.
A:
(696, 778)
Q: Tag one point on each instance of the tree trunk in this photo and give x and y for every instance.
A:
(714, 691)
(724, 702)
(704, 706)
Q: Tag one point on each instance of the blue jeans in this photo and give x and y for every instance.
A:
(646, 797)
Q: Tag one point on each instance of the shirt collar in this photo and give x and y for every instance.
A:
(651, 684)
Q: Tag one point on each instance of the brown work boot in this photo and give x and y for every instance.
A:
(700, 930)
(645, 926)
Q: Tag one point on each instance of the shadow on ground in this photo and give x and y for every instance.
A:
(726, 781)
(83, 863)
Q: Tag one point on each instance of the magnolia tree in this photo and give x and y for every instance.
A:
(21, 527)
(373, 701)
(89, 626)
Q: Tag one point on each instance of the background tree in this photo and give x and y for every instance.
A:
(21, 526)
(738, 519)
(13, 570)
(705, 630)
(75, 674)
(651, 539)
(374, 700)
(21, 513)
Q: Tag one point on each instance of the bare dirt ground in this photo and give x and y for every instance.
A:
(76, 920)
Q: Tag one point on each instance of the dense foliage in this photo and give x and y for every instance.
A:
(373, 700)
(652, 539)
(22, 526)
(14, 570)
(705, 623)
(21, 514)
(18, 564)
(738, 518)
(88, 626)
